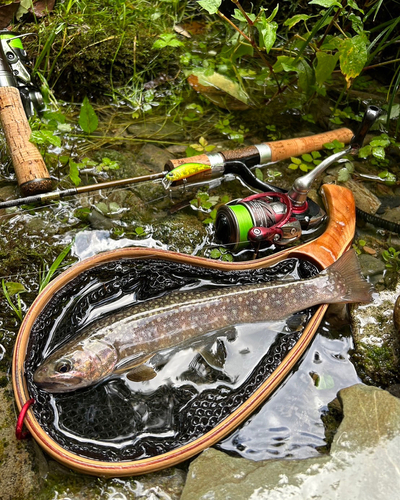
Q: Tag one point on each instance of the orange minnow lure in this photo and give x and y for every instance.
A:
(183, 171)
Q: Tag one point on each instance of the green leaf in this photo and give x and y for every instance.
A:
(259, 174)
(222, 82)
(53, 268)
(227, 257)
(167, 40)
(353, 55)
(380, 141)
(365, 151)
(295, 160)
(240, 17)
(13, 288)
(267, 29)
(325, 3)
(88, 120)
(378, 153)
(74, 173)
(295, 19)
(301, 67)
(45, 137)
(307, 157)
(215, 253)
(326, 63)
(354, 6)
(211, 6)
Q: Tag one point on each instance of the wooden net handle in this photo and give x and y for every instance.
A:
(30, 169)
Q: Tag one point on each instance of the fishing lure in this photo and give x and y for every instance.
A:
(183, 171)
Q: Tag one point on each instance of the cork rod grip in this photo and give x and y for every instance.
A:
(280, 150)
(30, 169)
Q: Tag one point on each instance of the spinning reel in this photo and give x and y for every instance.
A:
(275, 216)
(278, 217)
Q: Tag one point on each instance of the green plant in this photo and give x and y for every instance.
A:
(376, 148)
(208, 204)
(167, 40)
(11, 289)
(221, 253)
(304, 51)
(391, 257)
(88, 120)
(201, 147)
(46, 275)
(358, 246)
(224, 126)
(306, 162)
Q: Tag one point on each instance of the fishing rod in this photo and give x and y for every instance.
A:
(18, 98)
(57, 195)
(197, 174)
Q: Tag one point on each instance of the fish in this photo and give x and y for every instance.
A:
(125, 341)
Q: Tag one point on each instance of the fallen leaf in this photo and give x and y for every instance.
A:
(7, 13)
(220, 90)
(42, 7)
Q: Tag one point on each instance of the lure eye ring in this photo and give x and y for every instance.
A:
(63, 366)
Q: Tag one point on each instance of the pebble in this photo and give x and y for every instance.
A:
(369, 251)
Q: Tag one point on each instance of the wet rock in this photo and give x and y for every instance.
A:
(64, 484)
(99, 221)
(364, 198)
(18, 478)
(370, 265)
(393, 215)
(153, 157)
(362, 461)
(157, 130)
(377, 345)
(184, 233)
(8, 192)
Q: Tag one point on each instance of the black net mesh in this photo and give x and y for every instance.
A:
(117, 420)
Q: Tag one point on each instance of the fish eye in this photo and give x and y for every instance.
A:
(63, 366)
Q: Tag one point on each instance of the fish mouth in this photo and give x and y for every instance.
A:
(58, 386)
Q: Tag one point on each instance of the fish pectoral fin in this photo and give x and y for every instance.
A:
(214, 355)
(141, 373)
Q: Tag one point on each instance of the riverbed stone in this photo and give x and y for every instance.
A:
(362, 462)
(157, 129)
(364, 198)
(370, 265)
(377, 343)
(153, 157)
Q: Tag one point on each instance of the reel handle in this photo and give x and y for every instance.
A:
(263, 153)
(30, 169)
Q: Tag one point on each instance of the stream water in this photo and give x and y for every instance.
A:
(288, 425)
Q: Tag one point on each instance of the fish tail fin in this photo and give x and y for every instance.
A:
(350, 283)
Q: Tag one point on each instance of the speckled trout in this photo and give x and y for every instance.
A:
(126, 340)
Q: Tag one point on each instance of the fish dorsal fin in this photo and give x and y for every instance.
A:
(141, 373)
